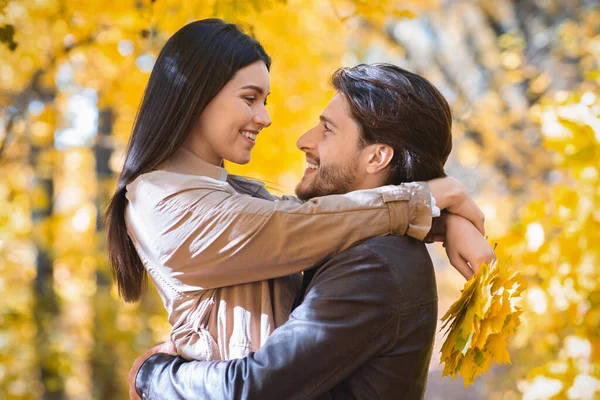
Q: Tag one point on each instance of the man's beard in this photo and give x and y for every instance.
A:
(330, 179)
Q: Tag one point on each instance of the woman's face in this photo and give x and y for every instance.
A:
(229, 125)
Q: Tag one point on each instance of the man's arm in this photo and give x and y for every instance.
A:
(349, 316)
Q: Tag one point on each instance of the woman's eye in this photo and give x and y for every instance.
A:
(250, 99)
(326, 128)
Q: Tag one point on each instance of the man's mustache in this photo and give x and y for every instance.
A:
(312, 159)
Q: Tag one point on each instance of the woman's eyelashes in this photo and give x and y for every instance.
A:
(252, 100)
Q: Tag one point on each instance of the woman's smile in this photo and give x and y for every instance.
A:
(249, 136)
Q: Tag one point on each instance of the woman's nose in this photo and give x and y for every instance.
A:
(262, 118)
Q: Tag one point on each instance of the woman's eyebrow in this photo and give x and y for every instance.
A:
(256, 88)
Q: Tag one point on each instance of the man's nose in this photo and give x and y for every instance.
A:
(262, 117)
(306, 141)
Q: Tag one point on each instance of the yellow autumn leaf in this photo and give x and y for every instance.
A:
(496, 346)
(480, 321)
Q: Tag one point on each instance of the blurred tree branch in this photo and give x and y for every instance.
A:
(35, 90)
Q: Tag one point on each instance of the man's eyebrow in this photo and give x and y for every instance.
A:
(328, 121)
(256, 88)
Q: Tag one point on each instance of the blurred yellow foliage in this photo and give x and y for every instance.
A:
(63, 330)
(555, 241)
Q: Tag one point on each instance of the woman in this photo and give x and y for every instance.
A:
(214, 243)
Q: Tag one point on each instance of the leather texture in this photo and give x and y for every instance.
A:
(364, 330)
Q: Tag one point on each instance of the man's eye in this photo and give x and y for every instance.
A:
(327, 129)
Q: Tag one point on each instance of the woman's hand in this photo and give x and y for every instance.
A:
(166, 347)
(465, 246)
(451, 195)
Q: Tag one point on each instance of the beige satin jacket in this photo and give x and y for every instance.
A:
(214, 243)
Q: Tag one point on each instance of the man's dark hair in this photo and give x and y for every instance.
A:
(403, 110)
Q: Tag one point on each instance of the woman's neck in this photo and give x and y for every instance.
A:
(204, 155)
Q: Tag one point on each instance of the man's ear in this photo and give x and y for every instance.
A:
(379, 157)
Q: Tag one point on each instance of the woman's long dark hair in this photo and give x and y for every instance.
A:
(192, 67)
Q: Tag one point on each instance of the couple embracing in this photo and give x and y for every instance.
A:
(327, 295)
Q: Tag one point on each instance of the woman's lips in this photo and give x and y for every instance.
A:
(253, 142)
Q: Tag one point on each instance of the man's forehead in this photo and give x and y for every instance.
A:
(337, 110)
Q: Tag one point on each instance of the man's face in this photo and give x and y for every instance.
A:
(332, 153)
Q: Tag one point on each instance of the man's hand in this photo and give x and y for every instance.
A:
(166, 347)
(465, 246)
(451, 195)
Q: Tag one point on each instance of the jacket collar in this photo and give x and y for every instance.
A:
(186, 162)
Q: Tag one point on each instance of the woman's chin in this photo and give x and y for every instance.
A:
(239, 159)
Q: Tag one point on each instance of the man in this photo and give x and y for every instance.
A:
(366, 325)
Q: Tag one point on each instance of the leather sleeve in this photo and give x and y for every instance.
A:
(349, 315)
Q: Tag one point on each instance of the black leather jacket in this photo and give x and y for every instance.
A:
(364, 330)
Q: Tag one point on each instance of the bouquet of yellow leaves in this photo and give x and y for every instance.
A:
(479, 323)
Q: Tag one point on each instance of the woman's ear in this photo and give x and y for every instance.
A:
(379, 157)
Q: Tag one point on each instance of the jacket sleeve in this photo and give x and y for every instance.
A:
(287, 197)
(213, 237)
(350, 315)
